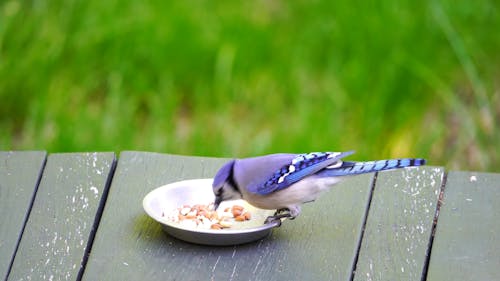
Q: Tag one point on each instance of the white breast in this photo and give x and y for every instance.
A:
(298, 193)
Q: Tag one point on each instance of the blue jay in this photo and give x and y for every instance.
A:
(283, 182)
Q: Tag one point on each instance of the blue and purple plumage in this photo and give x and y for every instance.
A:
(285, 181)
(327, 164)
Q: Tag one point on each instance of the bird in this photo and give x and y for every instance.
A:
(285, 181)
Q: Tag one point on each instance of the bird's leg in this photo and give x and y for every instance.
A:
(280, 214)
(276, 218)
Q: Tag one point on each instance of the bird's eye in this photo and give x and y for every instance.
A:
(218, 192)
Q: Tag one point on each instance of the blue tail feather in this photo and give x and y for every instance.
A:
(356, 168)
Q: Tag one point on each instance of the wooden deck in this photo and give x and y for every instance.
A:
(79, 216)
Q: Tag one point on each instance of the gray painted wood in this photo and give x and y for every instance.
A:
(19, 176)
(63, 216)
(467, 241)
(321, 244)
(399, 224)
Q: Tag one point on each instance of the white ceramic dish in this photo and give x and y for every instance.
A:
(164, 199)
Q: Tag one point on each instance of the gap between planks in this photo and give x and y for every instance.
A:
(431, 238)
(28, 213)
(97, 219)
(363, 227)
(434, 226)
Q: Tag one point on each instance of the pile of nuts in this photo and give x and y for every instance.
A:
(204, 216)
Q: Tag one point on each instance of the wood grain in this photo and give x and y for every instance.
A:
(19, 176)
(399, 224)
(467, 241)
(63, 217)
(321, 244)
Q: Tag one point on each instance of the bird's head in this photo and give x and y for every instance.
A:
(224, 186)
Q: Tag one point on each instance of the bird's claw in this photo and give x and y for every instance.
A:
(273, 219)
(278, 215)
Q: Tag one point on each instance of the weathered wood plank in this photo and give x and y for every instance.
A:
(321, 244)
(19, 176)
(467, 241)
(399, 224)
(63, 217)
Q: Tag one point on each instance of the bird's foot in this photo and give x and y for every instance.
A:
(278, 215)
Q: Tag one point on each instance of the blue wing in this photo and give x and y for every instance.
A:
(300, 167)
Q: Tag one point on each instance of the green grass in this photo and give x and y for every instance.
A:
(240, 78)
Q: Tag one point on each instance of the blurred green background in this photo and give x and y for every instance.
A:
(242, 78)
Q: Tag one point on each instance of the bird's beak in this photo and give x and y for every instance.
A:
(217, 202)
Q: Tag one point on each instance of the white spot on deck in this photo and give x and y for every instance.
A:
(234, 272)
(94, 189)
(473, 178)
(215, 265)
(94, 160)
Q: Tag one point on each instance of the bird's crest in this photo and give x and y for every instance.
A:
(223, 174)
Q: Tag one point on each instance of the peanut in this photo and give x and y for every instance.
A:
(203, 216)
(247, 216)
(239, 218)
(237, 207)
(216, 226)
(236, 212)
(185, 210)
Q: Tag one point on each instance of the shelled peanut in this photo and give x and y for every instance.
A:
(239, 213)
(204, 216)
